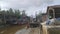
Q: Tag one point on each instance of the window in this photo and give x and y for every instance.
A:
(50, 14)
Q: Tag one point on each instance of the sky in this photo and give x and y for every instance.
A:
(31, 6)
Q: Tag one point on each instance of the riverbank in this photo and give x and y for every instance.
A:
(11, 29)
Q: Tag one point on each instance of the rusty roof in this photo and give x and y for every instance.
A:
(55, 6)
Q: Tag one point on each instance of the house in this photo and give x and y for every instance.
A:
(53, 11)
(11, 19)
(1, 18)
(23, 20)
(44, 17)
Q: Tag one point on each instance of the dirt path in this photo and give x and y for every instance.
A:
(23, 31)
(19, 30)
(35, 31)
(29, 31)
(11, 29)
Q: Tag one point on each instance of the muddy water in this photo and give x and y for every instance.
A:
(11, 29)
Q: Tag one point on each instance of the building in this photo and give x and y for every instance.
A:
(53, 11)
(11, 19)
(1, 18)
(44, 17)
(23, 18)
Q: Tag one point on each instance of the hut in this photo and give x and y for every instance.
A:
(44, 17)
(11, 19)
(1, 19)
(53, 12)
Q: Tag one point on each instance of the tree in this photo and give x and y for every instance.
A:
(3, 14)
(38, 16)
(17, 13)
(11, 11)
(23, 13)
(0, 9)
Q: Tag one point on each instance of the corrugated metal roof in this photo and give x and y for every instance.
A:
(55, 6)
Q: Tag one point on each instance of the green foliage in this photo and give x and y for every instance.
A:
(11, 11)
(10, 14)
(5, 13)
(17, 13)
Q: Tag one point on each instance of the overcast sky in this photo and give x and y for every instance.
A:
(31, 6)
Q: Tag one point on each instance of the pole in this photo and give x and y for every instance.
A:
(36, 16)
(4, 18)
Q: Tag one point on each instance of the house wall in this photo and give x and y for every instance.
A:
(44, 18)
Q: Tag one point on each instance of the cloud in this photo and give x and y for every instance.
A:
(21, 3)
(31, 6)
